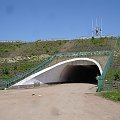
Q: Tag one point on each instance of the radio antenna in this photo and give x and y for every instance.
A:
(97, 29)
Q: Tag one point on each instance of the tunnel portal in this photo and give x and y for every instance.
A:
(77, 70)
(80, 74)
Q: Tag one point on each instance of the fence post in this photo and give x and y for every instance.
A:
(100, 84)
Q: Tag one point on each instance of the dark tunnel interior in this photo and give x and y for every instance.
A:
(80, 74)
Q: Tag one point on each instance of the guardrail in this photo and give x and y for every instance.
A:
(102, 77)
(8, 82)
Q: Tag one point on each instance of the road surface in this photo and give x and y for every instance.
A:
(57, 102)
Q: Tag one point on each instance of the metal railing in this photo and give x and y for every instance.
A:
(7, 83)
(111, 85)
(105, 70)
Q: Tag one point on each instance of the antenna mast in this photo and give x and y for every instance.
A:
(97, 29)
(92, 29)
(101, 27)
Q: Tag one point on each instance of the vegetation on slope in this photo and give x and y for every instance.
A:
(9, 70)
(113, 95)
(93, 44)
(10, 50)
(114, 71)
(17, 57)
(114, 74)
(6, 48)
(11, 67)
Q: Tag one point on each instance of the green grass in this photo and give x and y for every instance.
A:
(115, 66)
(113, 95)
(95, 44)
(30, 49)
(111, 74)
(9, 49)
(6, 48)
(9, 70)
(14, 49)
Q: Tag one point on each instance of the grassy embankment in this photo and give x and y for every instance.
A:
(114, 74)
(113, 95)
(18, 57)
(114, 71)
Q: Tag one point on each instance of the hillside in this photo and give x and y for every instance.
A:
(9, 49)
(18, 57)
(114, 71)
(89, 45)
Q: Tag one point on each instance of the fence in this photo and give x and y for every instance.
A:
(102, 77)
(108, 85)
(111, 85)
(9, 82)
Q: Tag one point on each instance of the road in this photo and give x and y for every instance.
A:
(57, 102)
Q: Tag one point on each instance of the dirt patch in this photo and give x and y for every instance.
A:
(61, 102)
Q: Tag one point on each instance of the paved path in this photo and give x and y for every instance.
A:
(59, 102)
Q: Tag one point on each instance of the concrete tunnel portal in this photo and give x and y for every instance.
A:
(80, 74)
(77, 70)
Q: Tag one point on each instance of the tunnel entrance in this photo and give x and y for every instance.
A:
(80, 74)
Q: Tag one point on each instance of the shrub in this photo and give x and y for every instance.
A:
(117, 76)
(5, 71)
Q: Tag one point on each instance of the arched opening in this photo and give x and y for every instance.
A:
(80, 74)
(77, 70)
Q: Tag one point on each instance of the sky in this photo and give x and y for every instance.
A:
(31, 20)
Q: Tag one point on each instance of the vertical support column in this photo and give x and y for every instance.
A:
(100, 84)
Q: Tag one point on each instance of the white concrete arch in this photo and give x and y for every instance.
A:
(52, 74)
(79, 59)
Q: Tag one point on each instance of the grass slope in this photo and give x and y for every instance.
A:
(8, 49)
(12, 50)
(113, 95)
(115, 66)
(89, 45)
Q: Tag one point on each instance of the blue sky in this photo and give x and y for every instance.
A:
(30, 20)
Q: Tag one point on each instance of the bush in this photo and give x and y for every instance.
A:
(117, 76)
(5, 71)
